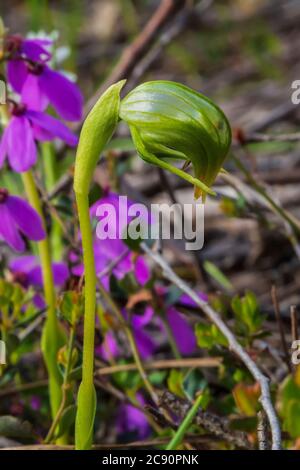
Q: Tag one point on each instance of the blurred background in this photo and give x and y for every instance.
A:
(244, 54)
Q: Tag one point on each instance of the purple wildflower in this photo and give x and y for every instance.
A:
(26, 126)
(39, 85)
(109, 249)
(181, 329)
(17, 216)
(146, 345)
(132, 420)
(27, 271)
(31, 49)
(109, 348)
(35, 403)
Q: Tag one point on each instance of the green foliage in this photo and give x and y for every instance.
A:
(71, 306)
(247, 313)
(216, 274)
(67, 420)
(209, 336)
(246, 398)
(86, 411)
(289, 399)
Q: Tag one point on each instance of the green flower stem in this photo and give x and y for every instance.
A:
(179, 435)
(87, 396)
(65, 389)
(52, 337)
(90, 288)
(97, 130)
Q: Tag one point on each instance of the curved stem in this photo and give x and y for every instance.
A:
(65, 389)
(90, 287)
(52, 337)
(86, 396)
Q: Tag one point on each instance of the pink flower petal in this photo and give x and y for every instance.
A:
(16, 73)
(52, 127)
(26, 218)
(22, 153)
(63, 94)
(8, 230)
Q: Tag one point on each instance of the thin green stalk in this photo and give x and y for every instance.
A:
(179, 435)
(97, 130)
(52, 337)
(87, 395)
(65, 388)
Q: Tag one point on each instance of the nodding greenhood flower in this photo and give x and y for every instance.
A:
(169, 121)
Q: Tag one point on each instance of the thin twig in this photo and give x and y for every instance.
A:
(164, 364)
(23, 388)
(107, 270)
(204, 438)
(234, 345)
(294, 323)
(281, 328)
(259, 137)
(139, 47)
(216, 425)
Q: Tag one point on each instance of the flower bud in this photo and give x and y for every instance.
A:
(169, 121)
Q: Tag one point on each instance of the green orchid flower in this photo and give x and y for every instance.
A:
(169, 121)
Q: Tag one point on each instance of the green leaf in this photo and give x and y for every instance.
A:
(247, 312)
(217, 275)
(193, 383)
(246, 398)
(209, 336)
(85, 417)
(71, 306)
(289, 398)
(175, 383)
(67, 420)
(292, 420)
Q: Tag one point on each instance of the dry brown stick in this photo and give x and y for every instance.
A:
(234, 345)
(281, 328)
(220, 427)
(260, 137)
(294, 323)
(23, 388)
(164, 364)
(139, 47)
(204, 438)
